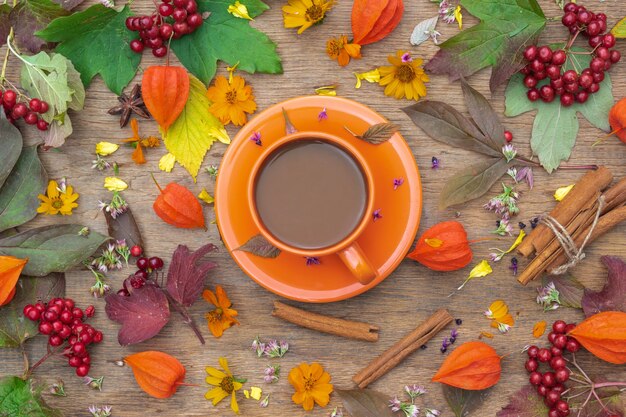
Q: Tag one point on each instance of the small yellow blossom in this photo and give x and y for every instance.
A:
(114, 184)
(58, 200)
(405, 77)
(106, 148)
(303, 14)
(560, 193)
(166, 163)
(224, 383)
(372, 76)
(239, 10)
(206, 197)
(458, 17)
(480, 270)
(326, 90)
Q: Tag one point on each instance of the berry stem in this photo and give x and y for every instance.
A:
(571, 40)
(609, 384)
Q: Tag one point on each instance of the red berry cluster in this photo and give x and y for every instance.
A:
(62, 321)
(172, 19)
(550, 385)
(145, 266)
(571, 86)
(16, 110)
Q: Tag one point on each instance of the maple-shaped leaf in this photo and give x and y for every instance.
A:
(227, 38)
(524, 403)
(96, 41)
(613, 296)
(195, 130)
(142, 314)
(498, 41)
(29, 16)
(185, 276)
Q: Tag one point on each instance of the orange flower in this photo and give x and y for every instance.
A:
(342, 51)
(149, 142)
(222, 317)
(312, 385)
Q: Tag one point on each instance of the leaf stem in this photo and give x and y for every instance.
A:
(189, 321)
(39, 362)
(25, 358)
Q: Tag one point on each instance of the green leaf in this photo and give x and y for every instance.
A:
(11, 143)
(18, 398)
(472, 182)
(506, 28)
(365, 403)
(15, 329)
(29, 16)
(18, 196)
(462, 402)
(195, 130)
(227, 38)
(54, 248)
(96, 41)
(555, 127)
(619, 30)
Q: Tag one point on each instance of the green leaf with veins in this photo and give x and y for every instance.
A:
(29, 16)
(227, 38)
(18, 398)
(57, 132)
(11, 147)
(5, 23)
(96, 41)
(555, 127)
(463, 402)
(498, 41)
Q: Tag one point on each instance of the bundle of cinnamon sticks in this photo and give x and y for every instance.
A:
(576, 213)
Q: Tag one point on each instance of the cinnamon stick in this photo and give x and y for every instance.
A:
(584, 193)
(399, 351)
(325, 324)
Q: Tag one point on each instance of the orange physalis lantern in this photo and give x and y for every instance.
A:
(10, 270)
(176, 205)
(604, 335)
(157, 373)
(165, 90)
(443, 247)
(471, 366)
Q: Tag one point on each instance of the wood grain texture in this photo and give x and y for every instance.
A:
(397, 305)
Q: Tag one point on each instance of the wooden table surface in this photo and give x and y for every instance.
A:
(397, 305)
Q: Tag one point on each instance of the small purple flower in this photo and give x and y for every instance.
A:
(323, 115)
(258, 347)
(406, 57)
(513, 266)
(256, 138)
(444, 345)
(311, 260)
(397, 182)
(271, 373)
(414, 391)
(525, 174)
(395, 404)
(453, 335)
(435, 162)
(377, 215)
(522, 225)
(534, 222)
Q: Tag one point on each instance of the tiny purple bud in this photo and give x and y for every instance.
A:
(377, 214)
(397, 182)
(256, 138)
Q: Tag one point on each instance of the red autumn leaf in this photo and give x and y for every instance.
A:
(176, 205)
(471, 366)
(443, 247)
(524, 403)
(185, 276)
(613, 296)
(142, 314)
(604, 335)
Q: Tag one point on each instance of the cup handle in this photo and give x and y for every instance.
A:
(357, 263)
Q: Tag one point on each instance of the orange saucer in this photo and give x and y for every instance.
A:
(385, 241)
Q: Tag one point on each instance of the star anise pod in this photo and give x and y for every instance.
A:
(129, 105)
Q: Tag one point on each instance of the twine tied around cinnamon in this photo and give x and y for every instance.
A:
(573, 253)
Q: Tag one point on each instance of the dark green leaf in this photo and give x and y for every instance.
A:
(506, 28)
(484, 117)
(472, 182)
(444, 124)
(51, 248)
(227, 38)
(569, 288)
(259, 246)
(96, 41)
(124, 227)
(524, 403)
(11, 143)
(5, 23)
(462, 402)
(15, 329)
(376, 134)
(365, 403)
(18, 398)
(68, 4)
(18, 196)
(28, 17)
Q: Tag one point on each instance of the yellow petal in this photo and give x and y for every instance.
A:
(485, 334)
(220, 134)
(206, 197)
(246, 393)
(458, 17)
(114, 184)
(166, 163)
(239, 10)
(497, 310)
(539, 329)
(560, 193)
(372, 76)
(256, 392)
(106, 148)
(326, 90)
(482, 269)
(517, 242)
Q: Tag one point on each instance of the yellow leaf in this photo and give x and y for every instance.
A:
(619, 30)
(196, 129)
(206, 197)
(560, 193)
(239, 10)
(482, 269)
(166, 163)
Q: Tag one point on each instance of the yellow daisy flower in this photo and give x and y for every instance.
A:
(404, 77)
(303, 14)
(231, 99)
(58, 200)
(224, 383)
